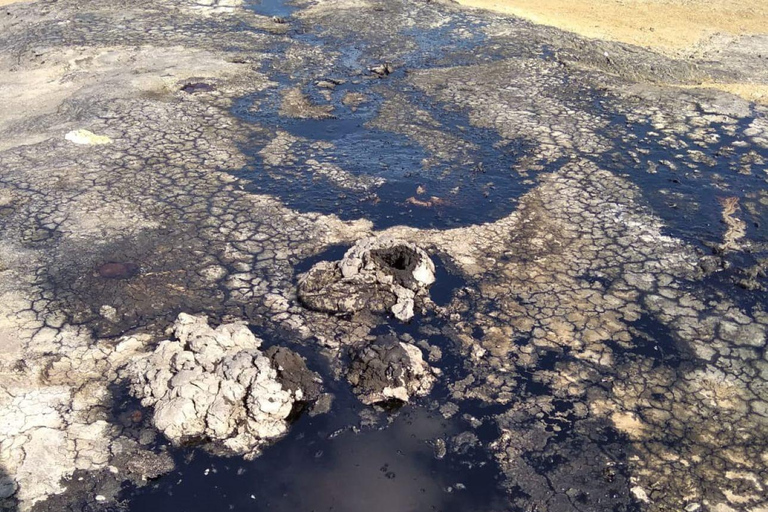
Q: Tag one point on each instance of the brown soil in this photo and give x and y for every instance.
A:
(674, 27)
(662, 24)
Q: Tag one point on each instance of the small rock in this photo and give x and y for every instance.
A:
(195, 87)
(448, 410)
(435, 353)
(322, 405)
(108, 312)
(710, 264)
(464, 442)
(382, 70)
(639, 493)
(473, 422)
(293, 374)
(326, 84)
(440, 449)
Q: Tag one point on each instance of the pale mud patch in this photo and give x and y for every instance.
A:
(33, 96)
(736, 228)
(53, 415)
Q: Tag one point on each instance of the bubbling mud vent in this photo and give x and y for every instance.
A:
(429, 454)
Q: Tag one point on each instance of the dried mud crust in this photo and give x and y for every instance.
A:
(377, 275)
(216, 386)
(622, 372)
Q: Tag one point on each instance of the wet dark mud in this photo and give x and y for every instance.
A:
(702, 174)
(380, 172)
(597, 327)
(322, 465)
(686, 176)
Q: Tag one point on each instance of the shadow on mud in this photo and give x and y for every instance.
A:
(8, 489)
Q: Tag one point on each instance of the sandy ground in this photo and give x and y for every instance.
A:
(676, 27)
(9, 2)
(663, 24)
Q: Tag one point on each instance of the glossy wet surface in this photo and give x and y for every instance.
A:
(323, 465)
(402, 181)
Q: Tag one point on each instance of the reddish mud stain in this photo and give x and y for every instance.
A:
(117, 270)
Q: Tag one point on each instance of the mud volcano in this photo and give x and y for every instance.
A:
(381, 275)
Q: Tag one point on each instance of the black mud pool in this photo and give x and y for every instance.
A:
(324, 465)
(215, 220)
(367, 144)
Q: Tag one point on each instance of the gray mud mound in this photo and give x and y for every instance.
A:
(378, 274)
(216, 385)
(387, 370)
(293, 374)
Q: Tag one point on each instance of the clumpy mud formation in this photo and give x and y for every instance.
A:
(599, 339)
(389, 370)
(377, 275)
(216, 385)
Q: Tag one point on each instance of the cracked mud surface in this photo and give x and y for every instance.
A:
(597, 328)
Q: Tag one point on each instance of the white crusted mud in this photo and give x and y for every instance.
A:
(216, 385)
(376, 274)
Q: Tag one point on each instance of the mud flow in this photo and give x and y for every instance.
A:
(385, 255)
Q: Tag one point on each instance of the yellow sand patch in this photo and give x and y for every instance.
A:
(663, 24)
(757, 93)
(670, 26)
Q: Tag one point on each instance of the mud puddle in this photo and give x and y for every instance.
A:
(277, 8)
(322, 466)
(401, 457)
(370, 145)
